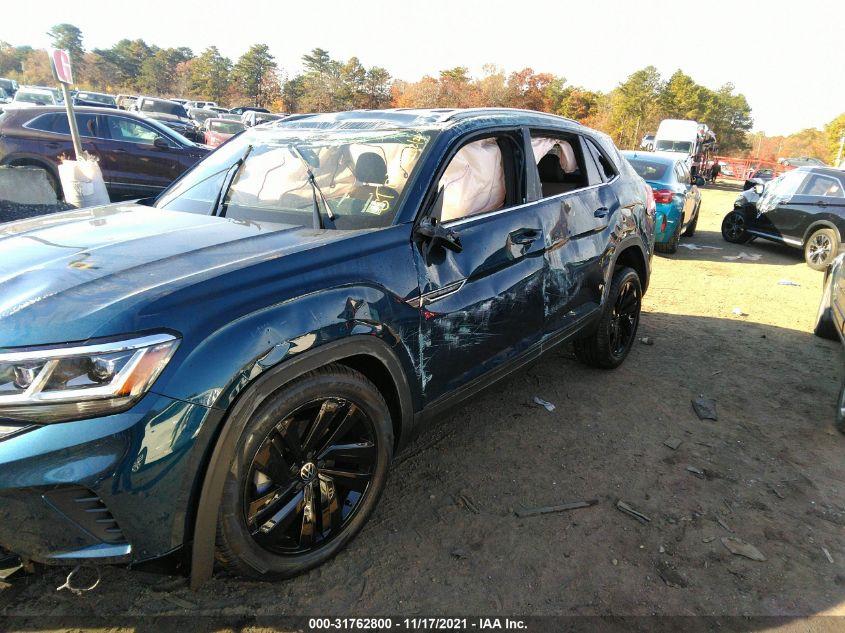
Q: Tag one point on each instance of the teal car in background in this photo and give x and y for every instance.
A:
(676, 194)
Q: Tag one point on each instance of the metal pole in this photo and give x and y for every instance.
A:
(71, 119)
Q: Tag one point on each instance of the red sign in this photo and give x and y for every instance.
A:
(60, 62)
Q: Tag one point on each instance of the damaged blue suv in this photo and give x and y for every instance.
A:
(226, 371)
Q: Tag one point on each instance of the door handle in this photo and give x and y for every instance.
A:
(601, 212)
(524, 237)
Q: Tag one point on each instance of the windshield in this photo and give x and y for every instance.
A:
(648, 170)
(34, 97)
(226, 127)
(361, 174)
(674, 146)
(163, 107)
(97, 98)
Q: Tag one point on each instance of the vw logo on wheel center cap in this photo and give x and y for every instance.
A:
(308, 472)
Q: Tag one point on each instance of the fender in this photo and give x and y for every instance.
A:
(641, 263)
(205, 524)
(821, 224)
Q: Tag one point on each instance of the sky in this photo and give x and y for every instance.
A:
(787, 58)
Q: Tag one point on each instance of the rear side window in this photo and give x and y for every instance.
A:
(819, 185)
(606, 169)
(560, 163)
(122, 129)
(58, 124)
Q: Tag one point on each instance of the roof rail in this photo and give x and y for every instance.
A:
(467, 112)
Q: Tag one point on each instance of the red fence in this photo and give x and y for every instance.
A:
(743, 168)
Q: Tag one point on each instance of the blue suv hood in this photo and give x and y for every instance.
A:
(71, 276)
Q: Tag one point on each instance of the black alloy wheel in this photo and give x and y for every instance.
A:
(310, 465)
(734, 229)
(616, 330)
(309, 476)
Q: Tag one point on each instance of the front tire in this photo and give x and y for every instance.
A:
(734, 229)
(608, 346)
(821, 249)
(309, 469)
(670, 247)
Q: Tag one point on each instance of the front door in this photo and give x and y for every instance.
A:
(481, 306)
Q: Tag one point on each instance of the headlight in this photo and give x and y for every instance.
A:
(61, 383)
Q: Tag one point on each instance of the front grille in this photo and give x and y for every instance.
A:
(88, 511)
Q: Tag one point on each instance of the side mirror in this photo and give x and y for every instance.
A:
(433, 235)
(700, 182)
(160, 143)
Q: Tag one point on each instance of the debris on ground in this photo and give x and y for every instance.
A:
(647, 340)
(670, 575)
(9, 565)
(708, 539)
(11, 211)
(459, 552)
(639, 516)
(753, 257)
(179, 602)
(548, 406)
(739, 312)
(705, 408)
(700, 247)
(827, 555)
(788, 282)
(89, 582)
(467, 502)
(672, 442)
(739, 547)
(697, 472)
(724, 525)
(572, 505)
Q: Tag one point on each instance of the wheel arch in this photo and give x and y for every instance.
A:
(823, 223)
(631, 253)
(367, 354)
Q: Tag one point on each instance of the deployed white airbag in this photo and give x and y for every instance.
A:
(565, 153)
(474, 181)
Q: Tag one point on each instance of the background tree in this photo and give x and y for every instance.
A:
(209, 75)
(69, 37)
(834, 131)
(253, 74)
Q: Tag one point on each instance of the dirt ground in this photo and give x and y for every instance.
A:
(445, 538)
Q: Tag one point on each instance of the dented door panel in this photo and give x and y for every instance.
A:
(483, 306)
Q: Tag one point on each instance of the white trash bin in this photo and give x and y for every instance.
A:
(82, 183)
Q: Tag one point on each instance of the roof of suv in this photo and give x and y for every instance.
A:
(828, 171)
(419, 117)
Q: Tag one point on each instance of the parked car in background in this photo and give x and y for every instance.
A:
(170, 114)
(803, 208)
(5, 97)
(199, 104)
(758, 177)
(251, 118)
(139, 157)
(830, 321)
(94, 99)
(217, 110)
(676, 195)
(242, 109)
(181, 102)
(9, 85)
(201, 114)
(26, 96)
(218, 131)
(125, 102)
(647, 143)
(251, 349)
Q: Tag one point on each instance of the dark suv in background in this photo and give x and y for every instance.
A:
(231, 368)
(138, 157)
(172, 114)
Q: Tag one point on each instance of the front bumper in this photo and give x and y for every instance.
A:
(111, 489)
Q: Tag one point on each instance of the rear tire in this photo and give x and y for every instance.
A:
(734, 228)
(690, 231)
(616, 331)
(310, 466)
(821, 249)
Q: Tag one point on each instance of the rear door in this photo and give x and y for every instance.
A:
(578, 208)
(482, 306)
(778, 216)
(819, 197)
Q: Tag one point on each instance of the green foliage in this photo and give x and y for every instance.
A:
(254, 75)
(69, 37)
(208, 76)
